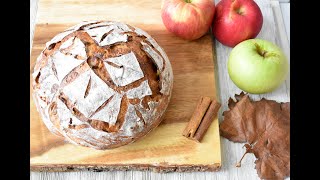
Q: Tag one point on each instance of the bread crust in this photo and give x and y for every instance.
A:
(102, 84)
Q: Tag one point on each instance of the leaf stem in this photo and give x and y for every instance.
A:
(248, 148)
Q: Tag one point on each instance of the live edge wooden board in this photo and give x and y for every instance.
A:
(162, 150)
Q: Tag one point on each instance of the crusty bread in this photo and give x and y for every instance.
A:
(102, 84)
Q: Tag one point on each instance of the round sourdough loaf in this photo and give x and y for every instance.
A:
(102, 84)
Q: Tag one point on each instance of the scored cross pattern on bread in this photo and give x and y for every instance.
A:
(102, 84)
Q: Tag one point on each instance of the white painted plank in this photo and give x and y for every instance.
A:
(284, 1)
(231, 152)
(285, 9)
(33, 14)
(282, 39)
(227, 88)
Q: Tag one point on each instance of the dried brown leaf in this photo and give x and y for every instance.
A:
(265, 126)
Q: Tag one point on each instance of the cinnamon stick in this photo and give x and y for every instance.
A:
(197, 116)
(211, 113)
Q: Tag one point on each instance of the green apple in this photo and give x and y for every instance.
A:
(257, 66)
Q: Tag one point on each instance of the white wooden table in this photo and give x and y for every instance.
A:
(276, 28)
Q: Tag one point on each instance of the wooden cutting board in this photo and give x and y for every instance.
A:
(163, 149)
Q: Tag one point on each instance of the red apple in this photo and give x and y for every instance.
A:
(188, 19)
(236, 21)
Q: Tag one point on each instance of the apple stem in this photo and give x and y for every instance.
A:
(187, 1)
(262, 52)
(239, 11)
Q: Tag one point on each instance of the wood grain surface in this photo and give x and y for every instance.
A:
(164, 149)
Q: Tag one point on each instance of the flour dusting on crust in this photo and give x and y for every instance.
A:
(114, 37)
(110, 112)
(64, 64)
(132, 121)
(97, 33)
(75, 47)
(106, 101)
(140, 91)
(157, 59)
(47, 82)
(167, 75)
(58, 37)
(128, 69)
(99, 93)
